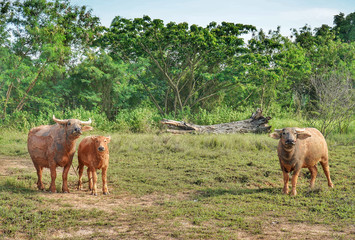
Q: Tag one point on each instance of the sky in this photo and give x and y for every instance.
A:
(265, 14)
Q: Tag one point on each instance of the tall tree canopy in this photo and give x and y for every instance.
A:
(45, 38)
(345, 27)
(55, 56)
(184, 66)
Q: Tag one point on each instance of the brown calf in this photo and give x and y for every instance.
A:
(93, 152)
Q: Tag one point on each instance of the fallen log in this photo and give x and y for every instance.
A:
(257, 123)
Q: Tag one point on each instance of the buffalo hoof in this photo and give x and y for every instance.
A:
(95, 194)
(106, 193)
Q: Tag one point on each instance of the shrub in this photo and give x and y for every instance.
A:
(146, 119)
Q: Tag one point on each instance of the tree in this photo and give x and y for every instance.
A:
(336, 101)
(185, 66)
(99, 82)
(262, 65)
(345, 27)
(311, 44)
(329, 84)
(44, 36)
(267, 73)
(292, 87)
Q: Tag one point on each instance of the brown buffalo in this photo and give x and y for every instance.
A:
(93, 152)
(301, 148)
(51, 146)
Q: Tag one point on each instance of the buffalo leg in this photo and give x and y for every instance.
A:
(325, 167)
(286, 179)
(90, 178)
(81, 170)
(39, 175)
(313, 171)
(94, 178)
(294, 182)
(53, 177)
(104, 181)
(65, 188)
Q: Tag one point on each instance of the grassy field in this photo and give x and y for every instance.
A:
(180, 187)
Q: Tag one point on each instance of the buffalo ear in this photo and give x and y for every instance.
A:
(108, 139)
(275, 135)
(303, 135)
(86, 128)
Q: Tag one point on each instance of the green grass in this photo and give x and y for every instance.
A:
(183, 187)
(13, 143)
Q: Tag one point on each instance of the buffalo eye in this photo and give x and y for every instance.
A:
(68, 123)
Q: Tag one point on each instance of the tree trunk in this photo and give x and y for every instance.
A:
(8, 93)
(32, 84)
(257, 123)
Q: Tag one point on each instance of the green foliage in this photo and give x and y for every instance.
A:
(345, 27)
(24, 120)
(57, 58)
(138, 120)
(185, 66)
(99, 82)
(218, 115)
(147, 119)
(45, 40)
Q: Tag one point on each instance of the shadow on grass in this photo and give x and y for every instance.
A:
(11, 186)
(242, 191)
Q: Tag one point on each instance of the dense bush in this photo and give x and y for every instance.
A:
(146, 119)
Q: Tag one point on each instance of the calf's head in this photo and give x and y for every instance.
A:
(101, 143)
(289, 136)
(73, 127)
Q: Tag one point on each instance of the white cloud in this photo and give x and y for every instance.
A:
(320, 14)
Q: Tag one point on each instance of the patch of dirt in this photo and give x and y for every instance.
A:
(109, 203)
(290, 230)
(8, 164)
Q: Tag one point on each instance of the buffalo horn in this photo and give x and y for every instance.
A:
(59, 121)
(86, 122)
(278, 130)
(300, 130)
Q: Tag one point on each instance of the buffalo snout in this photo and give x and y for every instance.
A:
(77, 131)
(290, 142)
(101, 148)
